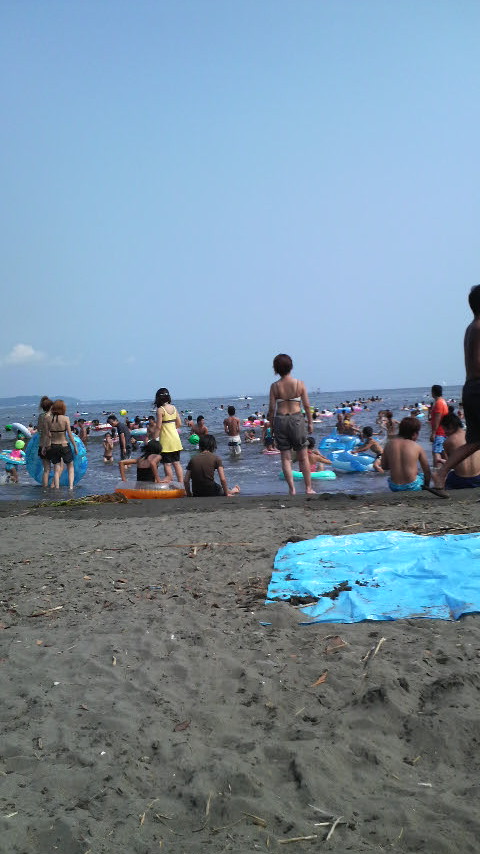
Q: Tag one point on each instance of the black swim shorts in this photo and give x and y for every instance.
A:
(290, 432)
(56, 453)
(172, 457)
(471, 408)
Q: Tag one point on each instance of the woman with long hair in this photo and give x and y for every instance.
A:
(59, 432)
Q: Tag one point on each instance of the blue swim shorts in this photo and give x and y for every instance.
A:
(415, 485)
(438, 444)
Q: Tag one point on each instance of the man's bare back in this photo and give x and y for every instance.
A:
(232, 426)
(469, 467)
(401, 458)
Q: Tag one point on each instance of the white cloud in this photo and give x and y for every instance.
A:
(23, 354)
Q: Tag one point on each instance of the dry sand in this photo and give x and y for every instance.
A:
(145, 708)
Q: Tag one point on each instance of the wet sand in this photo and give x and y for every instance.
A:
(145, 708)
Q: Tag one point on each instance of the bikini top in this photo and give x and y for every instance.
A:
(288, 399)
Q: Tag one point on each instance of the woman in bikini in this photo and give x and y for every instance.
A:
(166, 431)
(287, 395)
(58, 448)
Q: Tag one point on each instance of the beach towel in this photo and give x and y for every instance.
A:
(380, 575)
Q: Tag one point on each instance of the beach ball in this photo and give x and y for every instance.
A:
(19, 445)
(194, 439)
(123, 412)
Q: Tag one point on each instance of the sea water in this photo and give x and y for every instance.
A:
(256, 473)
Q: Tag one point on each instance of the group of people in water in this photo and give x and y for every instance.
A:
(287, 429)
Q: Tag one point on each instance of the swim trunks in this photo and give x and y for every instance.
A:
(438, 444)
(471, 408)
(290, 432)
(171, 457)
(454, 481)
(414, 486)
(235, 444)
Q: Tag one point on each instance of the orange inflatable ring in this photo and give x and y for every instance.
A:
(129, 492)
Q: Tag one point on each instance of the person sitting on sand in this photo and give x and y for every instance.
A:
(315, 458)
(401, 457)
(466, 474)
(371, 447)
(108, 448)
(147, 464)
(201, 470)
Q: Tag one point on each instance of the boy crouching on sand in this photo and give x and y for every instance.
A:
(401, 457)
(201, 469)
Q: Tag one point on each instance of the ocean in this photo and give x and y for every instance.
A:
(255, 473)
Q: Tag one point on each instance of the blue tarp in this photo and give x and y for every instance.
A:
(380, 575)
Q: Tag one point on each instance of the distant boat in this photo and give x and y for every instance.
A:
(244, 397)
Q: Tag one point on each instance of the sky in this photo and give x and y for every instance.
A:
(191, 187)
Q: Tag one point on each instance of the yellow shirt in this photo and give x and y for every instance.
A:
(169, 438)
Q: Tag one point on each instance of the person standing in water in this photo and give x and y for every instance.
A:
(166, 431)
(285, 413)
(231, 425)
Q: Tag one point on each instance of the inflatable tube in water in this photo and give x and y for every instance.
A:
(139, 431)
(327, 474)
(345, 461)
(20, 428)
(6, 457)
(337, 442)
(256, 423)
(274, 451)
(35, 467)
(194, 439)
(144, 490)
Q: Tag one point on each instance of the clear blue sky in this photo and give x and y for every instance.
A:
(190, 187)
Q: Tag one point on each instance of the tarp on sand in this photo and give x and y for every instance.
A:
(380, 575)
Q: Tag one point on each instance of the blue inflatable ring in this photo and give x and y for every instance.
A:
(35, 467)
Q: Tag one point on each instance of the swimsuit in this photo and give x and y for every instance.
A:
(145, 475)
(455, 481)
(415, 485)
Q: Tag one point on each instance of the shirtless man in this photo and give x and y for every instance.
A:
(401, 457)
(465, 475)
(470, 398)
(231, 425)
(200, 428)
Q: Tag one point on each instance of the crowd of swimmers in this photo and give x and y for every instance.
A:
(287, 428)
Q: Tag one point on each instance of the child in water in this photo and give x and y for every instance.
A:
(108, 448)
(147, 464)
(315, 458)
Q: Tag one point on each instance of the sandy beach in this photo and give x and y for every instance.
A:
(146, 708)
